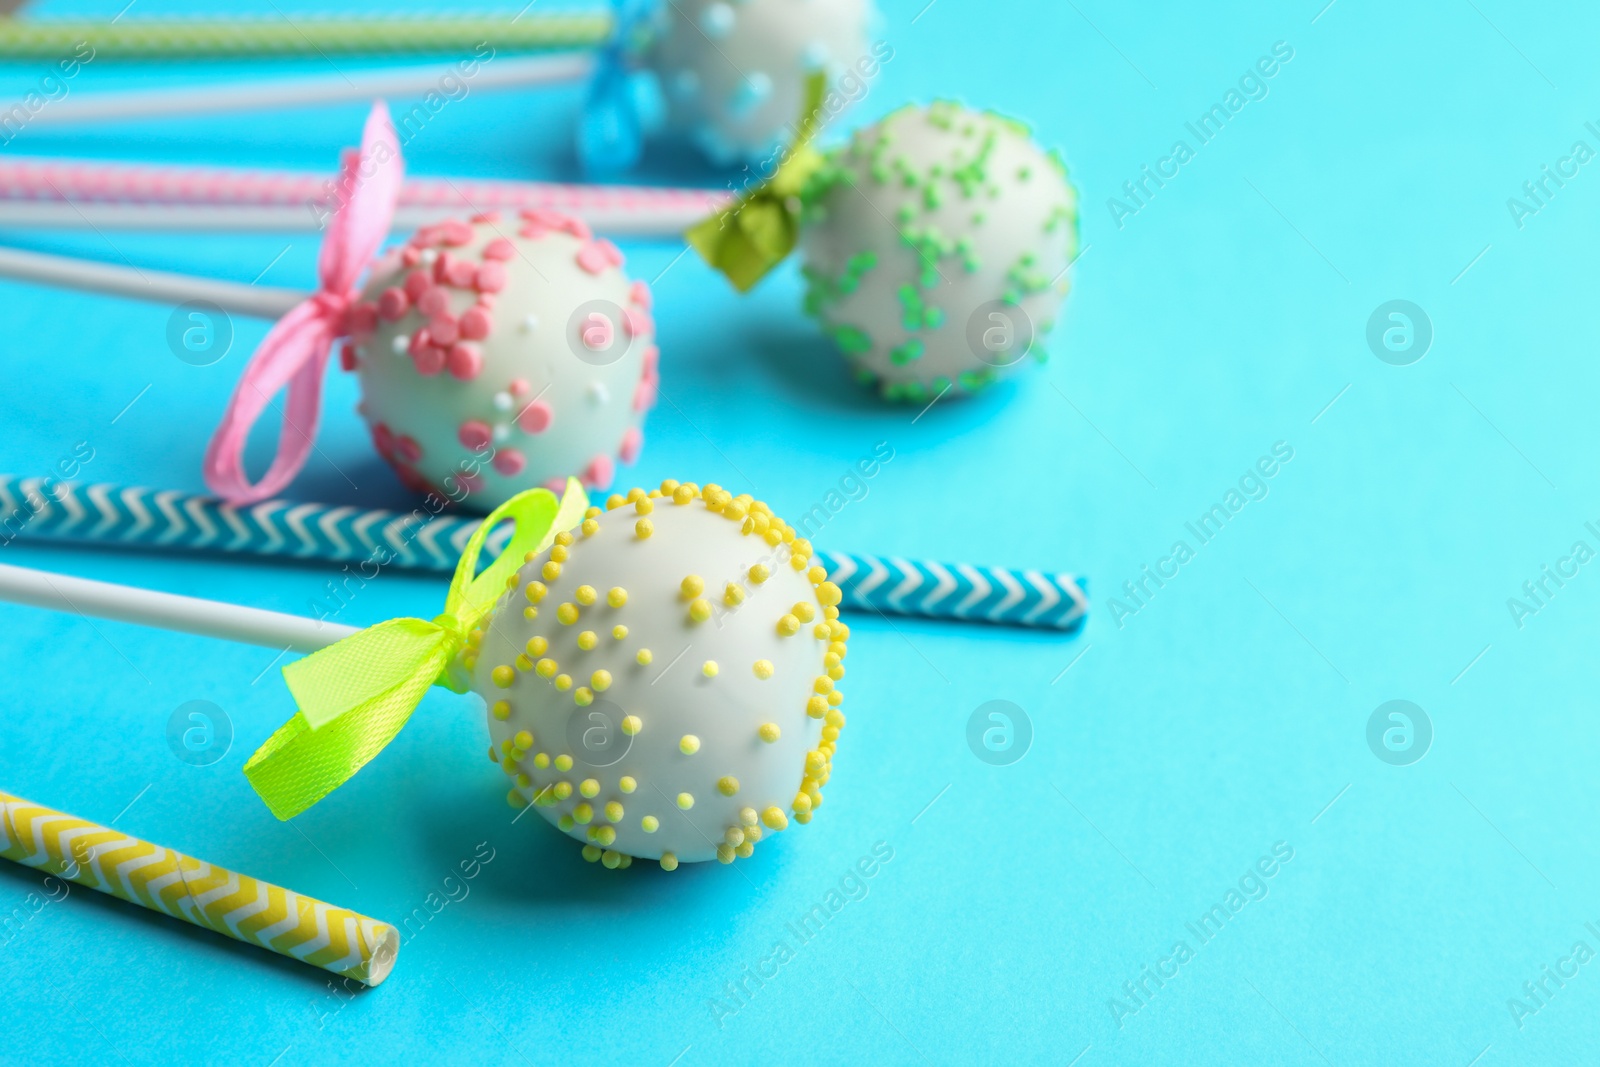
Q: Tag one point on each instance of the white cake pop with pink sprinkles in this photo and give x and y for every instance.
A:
(500, 354)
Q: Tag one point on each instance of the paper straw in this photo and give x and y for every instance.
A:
(44, 509)
(307, 34)
(82, 181)
(234, 905)
(92, 276)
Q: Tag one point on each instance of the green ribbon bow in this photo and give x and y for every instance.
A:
(747, 240)
(355, 695)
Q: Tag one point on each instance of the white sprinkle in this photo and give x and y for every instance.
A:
(530, 323)
(400, 343)
(598, 393)
(429, 255)
(502, 431)
(502, 401)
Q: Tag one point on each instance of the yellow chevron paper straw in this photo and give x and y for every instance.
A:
(234, 905)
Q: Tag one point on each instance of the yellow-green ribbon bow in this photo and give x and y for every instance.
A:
(355, 695)
(747, 240)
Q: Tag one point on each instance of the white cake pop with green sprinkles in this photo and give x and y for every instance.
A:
(936, 246)
(662, 682)
(733, 72)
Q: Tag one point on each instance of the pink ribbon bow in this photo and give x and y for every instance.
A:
(295, 352)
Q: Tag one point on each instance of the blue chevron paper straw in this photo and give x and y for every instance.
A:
(50, 510)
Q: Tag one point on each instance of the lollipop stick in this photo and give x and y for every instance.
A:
(254, 300)
(167, 611)
(304, 92)
(166, 881)
(111, 514)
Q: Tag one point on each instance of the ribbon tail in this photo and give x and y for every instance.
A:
(298, 766)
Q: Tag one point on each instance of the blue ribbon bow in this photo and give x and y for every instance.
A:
(624, 102)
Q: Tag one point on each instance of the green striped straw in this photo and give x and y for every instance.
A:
(153, 38)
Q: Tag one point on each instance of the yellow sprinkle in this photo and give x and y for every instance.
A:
(759, 573)
(685, 801)
(605, 835)
(773, 538)
(745, 850)
(614, 811)
(748, 817)
(763, 669)
(692, 586)
(815, 762)
(734, 836)
(523, 740)
(542, 760)
(583, 697)
(700, 610)
(545, 667)
(563, 682)
(537, 646)
(650, 824)
(585, 595)
(818, 575)
(835, 718)
(752, 834)
(503, 676)
(636, 494)
(592, 513)
(769, 732)
(535, 592)
(800, 547)
(669, 862)
(589, 787)
(797, 562)
(788, 626)
(601, 680)
(643, 658)
(733, 594)
(631, 725)
(727, 785)
(682, 494)
(644, 528)
(821, 631)
(590, 527)
(835, 698)
(802, 803)
(804, 612)
(530, 613)
(616, 596)
(523, 781)
(816, 707)
(627, 784)
(823, 684)
(551, 570)
(689, 744)
(583, 813)
(836, 671)
(619, 631)
(563, 763)
(709, 668)
(829, 594)
(516, 799)
(559, 553)
(561, 790)
(644, 506)
(567, 614)
(615, 501)
(501, 710)
(725, 853)
(591, 853)
(523, 663)
(668, 485)
(587, 640)
(566, 823)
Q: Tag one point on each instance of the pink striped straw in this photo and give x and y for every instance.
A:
(85, 181)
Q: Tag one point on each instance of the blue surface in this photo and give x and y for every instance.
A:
(1169, 753)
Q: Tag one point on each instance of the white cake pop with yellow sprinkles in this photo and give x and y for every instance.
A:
(662, 683)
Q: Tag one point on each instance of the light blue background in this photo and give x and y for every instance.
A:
(1168, 754)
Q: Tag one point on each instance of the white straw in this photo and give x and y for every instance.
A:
(655, 221)
(168, 611)
(303, 92)
(159, 286)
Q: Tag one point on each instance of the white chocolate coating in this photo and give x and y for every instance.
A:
(499, 355)
(733, 72)
(936, 248)
(733, 705)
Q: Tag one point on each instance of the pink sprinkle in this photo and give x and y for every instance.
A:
(519, 386)
(433, 301)
(556, 485)
(417, 283)
(632, 442)
(474, 433)
(639, 293)
(412, 478)
(393, 304)
(363, 317)
(472, 483)
(644, 395)
(592, 258)
(408, 448)
(509, 461)
(489, 217)
(600, 471)
(419, 341)
(427, 236)
(410, 256)
(577, 227)
(636, 322)
(465, 361)
(490, 278)
(462, 272)
(456, 232)
(500, 248)
(347, 356)
(429, 361)
(474, 323)
(441, 267)
(535, 418)
(383, 441)
(443, 330)
(533, 231)
(651, 360)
